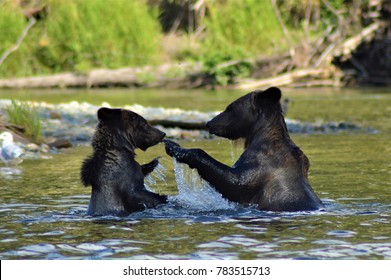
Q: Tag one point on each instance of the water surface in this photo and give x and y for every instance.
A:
(43, 204)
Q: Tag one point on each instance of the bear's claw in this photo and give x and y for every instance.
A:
(172, 149)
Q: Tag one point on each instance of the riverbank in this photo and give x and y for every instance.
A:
(72, 124)
(331, 65)
(330, 43)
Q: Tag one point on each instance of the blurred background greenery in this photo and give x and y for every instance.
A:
(78, 35)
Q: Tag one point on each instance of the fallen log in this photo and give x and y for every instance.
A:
(289, 78)
(164, 75)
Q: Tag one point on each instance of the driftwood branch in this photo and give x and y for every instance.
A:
(32, 21)
(349, 45)
(147, 76)
(344, 50)
(323, 74)
(288, 78)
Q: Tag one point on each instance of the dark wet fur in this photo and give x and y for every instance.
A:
(272, 172)
(117, 180)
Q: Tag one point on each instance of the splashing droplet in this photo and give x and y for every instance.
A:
(158, 174)
(195, 193)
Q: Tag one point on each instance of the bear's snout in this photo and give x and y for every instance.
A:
(214, 127)
(211, 128)
(157, 137)
(162, 135)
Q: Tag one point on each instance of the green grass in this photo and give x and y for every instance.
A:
(12, 24)
(79, 35)
(242, 28)
(88, 34)
(236, 30)
(23, 114)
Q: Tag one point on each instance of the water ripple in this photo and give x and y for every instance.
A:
(342, 233)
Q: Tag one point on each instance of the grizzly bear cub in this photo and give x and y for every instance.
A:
(117, 180)
(272, 172)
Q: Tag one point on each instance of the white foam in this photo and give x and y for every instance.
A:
(195, 193)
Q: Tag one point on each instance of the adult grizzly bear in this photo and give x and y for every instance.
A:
(117, 180)
(272, 172)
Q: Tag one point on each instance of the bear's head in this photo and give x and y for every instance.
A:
(238, 120)
(129, 130)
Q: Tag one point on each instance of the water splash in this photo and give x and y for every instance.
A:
(157, 175)
(233, 155)
(195, 193)
(236, 149)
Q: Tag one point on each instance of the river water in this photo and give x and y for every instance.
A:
(43, 204)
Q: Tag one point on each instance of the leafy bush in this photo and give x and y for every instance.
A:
(222, 73)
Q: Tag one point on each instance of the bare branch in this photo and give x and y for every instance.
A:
(286, 32)
(32, 21)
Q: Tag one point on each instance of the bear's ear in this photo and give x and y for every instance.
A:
(272, 94)
(106, 114)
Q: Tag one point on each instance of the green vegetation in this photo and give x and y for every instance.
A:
(12, 23)
(297, 13)
(242, 28)
(222, 73)
(79, 35)
(23, 114)
(235, 30)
